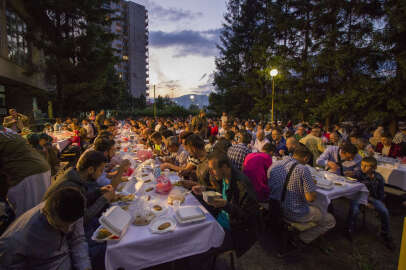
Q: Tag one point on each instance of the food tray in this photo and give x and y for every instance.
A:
(112, 238)
(192, 220)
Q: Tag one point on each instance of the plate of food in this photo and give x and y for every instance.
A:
(123, 197)
(186, 183)
(176, 195)
(210, 196)
(149, 189)
(158, 208)
(102, 235)
(162, 225)
(143, 220)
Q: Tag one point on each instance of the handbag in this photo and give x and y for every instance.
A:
(275, 216)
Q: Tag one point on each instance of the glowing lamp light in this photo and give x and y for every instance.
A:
(274, 72)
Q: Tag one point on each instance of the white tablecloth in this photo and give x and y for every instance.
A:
(393, 176)
(140, 249)
(60, 145)
(349, 190)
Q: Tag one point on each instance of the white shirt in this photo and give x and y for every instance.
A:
(224, 120)
(222, 132)
(89, 130)
(258, 145)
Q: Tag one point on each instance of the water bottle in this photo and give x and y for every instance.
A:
(157, 172)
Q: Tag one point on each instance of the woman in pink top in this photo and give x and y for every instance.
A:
(255, 167)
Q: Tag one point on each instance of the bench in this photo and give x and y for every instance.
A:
(300, 227)
(394, 191)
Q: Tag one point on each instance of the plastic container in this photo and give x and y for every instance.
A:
(116, 220)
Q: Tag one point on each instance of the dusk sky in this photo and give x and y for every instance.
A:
(183, 35)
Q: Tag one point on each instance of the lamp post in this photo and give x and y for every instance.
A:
(192, 98)
(273, 73)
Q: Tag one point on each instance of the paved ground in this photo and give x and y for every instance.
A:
(332, 252)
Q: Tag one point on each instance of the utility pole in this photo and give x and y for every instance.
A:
(154, 103)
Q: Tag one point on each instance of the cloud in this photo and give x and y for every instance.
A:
(171, 14)
(170, 84)
(188, 42)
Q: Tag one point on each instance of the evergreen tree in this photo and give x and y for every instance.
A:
(75, 39)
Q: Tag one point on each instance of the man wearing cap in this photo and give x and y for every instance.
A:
(29, 173)
(400, 137)
(15, 121)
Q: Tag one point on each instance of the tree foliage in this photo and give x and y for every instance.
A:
(79, 61)
(337, 59)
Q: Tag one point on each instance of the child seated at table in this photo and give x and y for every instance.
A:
(375, 184)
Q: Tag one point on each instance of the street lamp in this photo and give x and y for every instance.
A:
(273, 73)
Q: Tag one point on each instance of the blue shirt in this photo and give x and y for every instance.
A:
(295, 205)
(331, 154)
(31, 243)
(281, 145)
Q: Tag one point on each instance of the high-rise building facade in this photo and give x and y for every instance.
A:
(132, 45)
(19, 88)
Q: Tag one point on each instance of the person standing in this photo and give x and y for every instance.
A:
(314, 143)
(300, 132)
(199, 124)
(224, 119)
(100, 120)
(90, 134)
(92, 116)
(29, 172)
(16, 121)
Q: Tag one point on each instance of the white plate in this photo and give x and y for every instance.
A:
(153, 227)
(350, 180)
(160, 212)
(94, 236)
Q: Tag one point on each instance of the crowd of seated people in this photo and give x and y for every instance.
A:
(247, 162)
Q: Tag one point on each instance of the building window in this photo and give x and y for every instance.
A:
(2, 96)
(125, 57)
(18, 50)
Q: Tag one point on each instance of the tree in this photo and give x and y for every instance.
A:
(79, 60)
(333, 58)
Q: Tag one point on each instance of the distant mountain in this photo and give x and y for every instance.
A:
(186, 100)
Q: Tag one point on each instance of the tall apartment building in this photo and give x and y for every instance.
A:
(18, 88)
(132, 44)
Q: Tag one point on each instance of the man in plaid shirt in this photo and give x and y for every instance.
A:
(239, 151)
